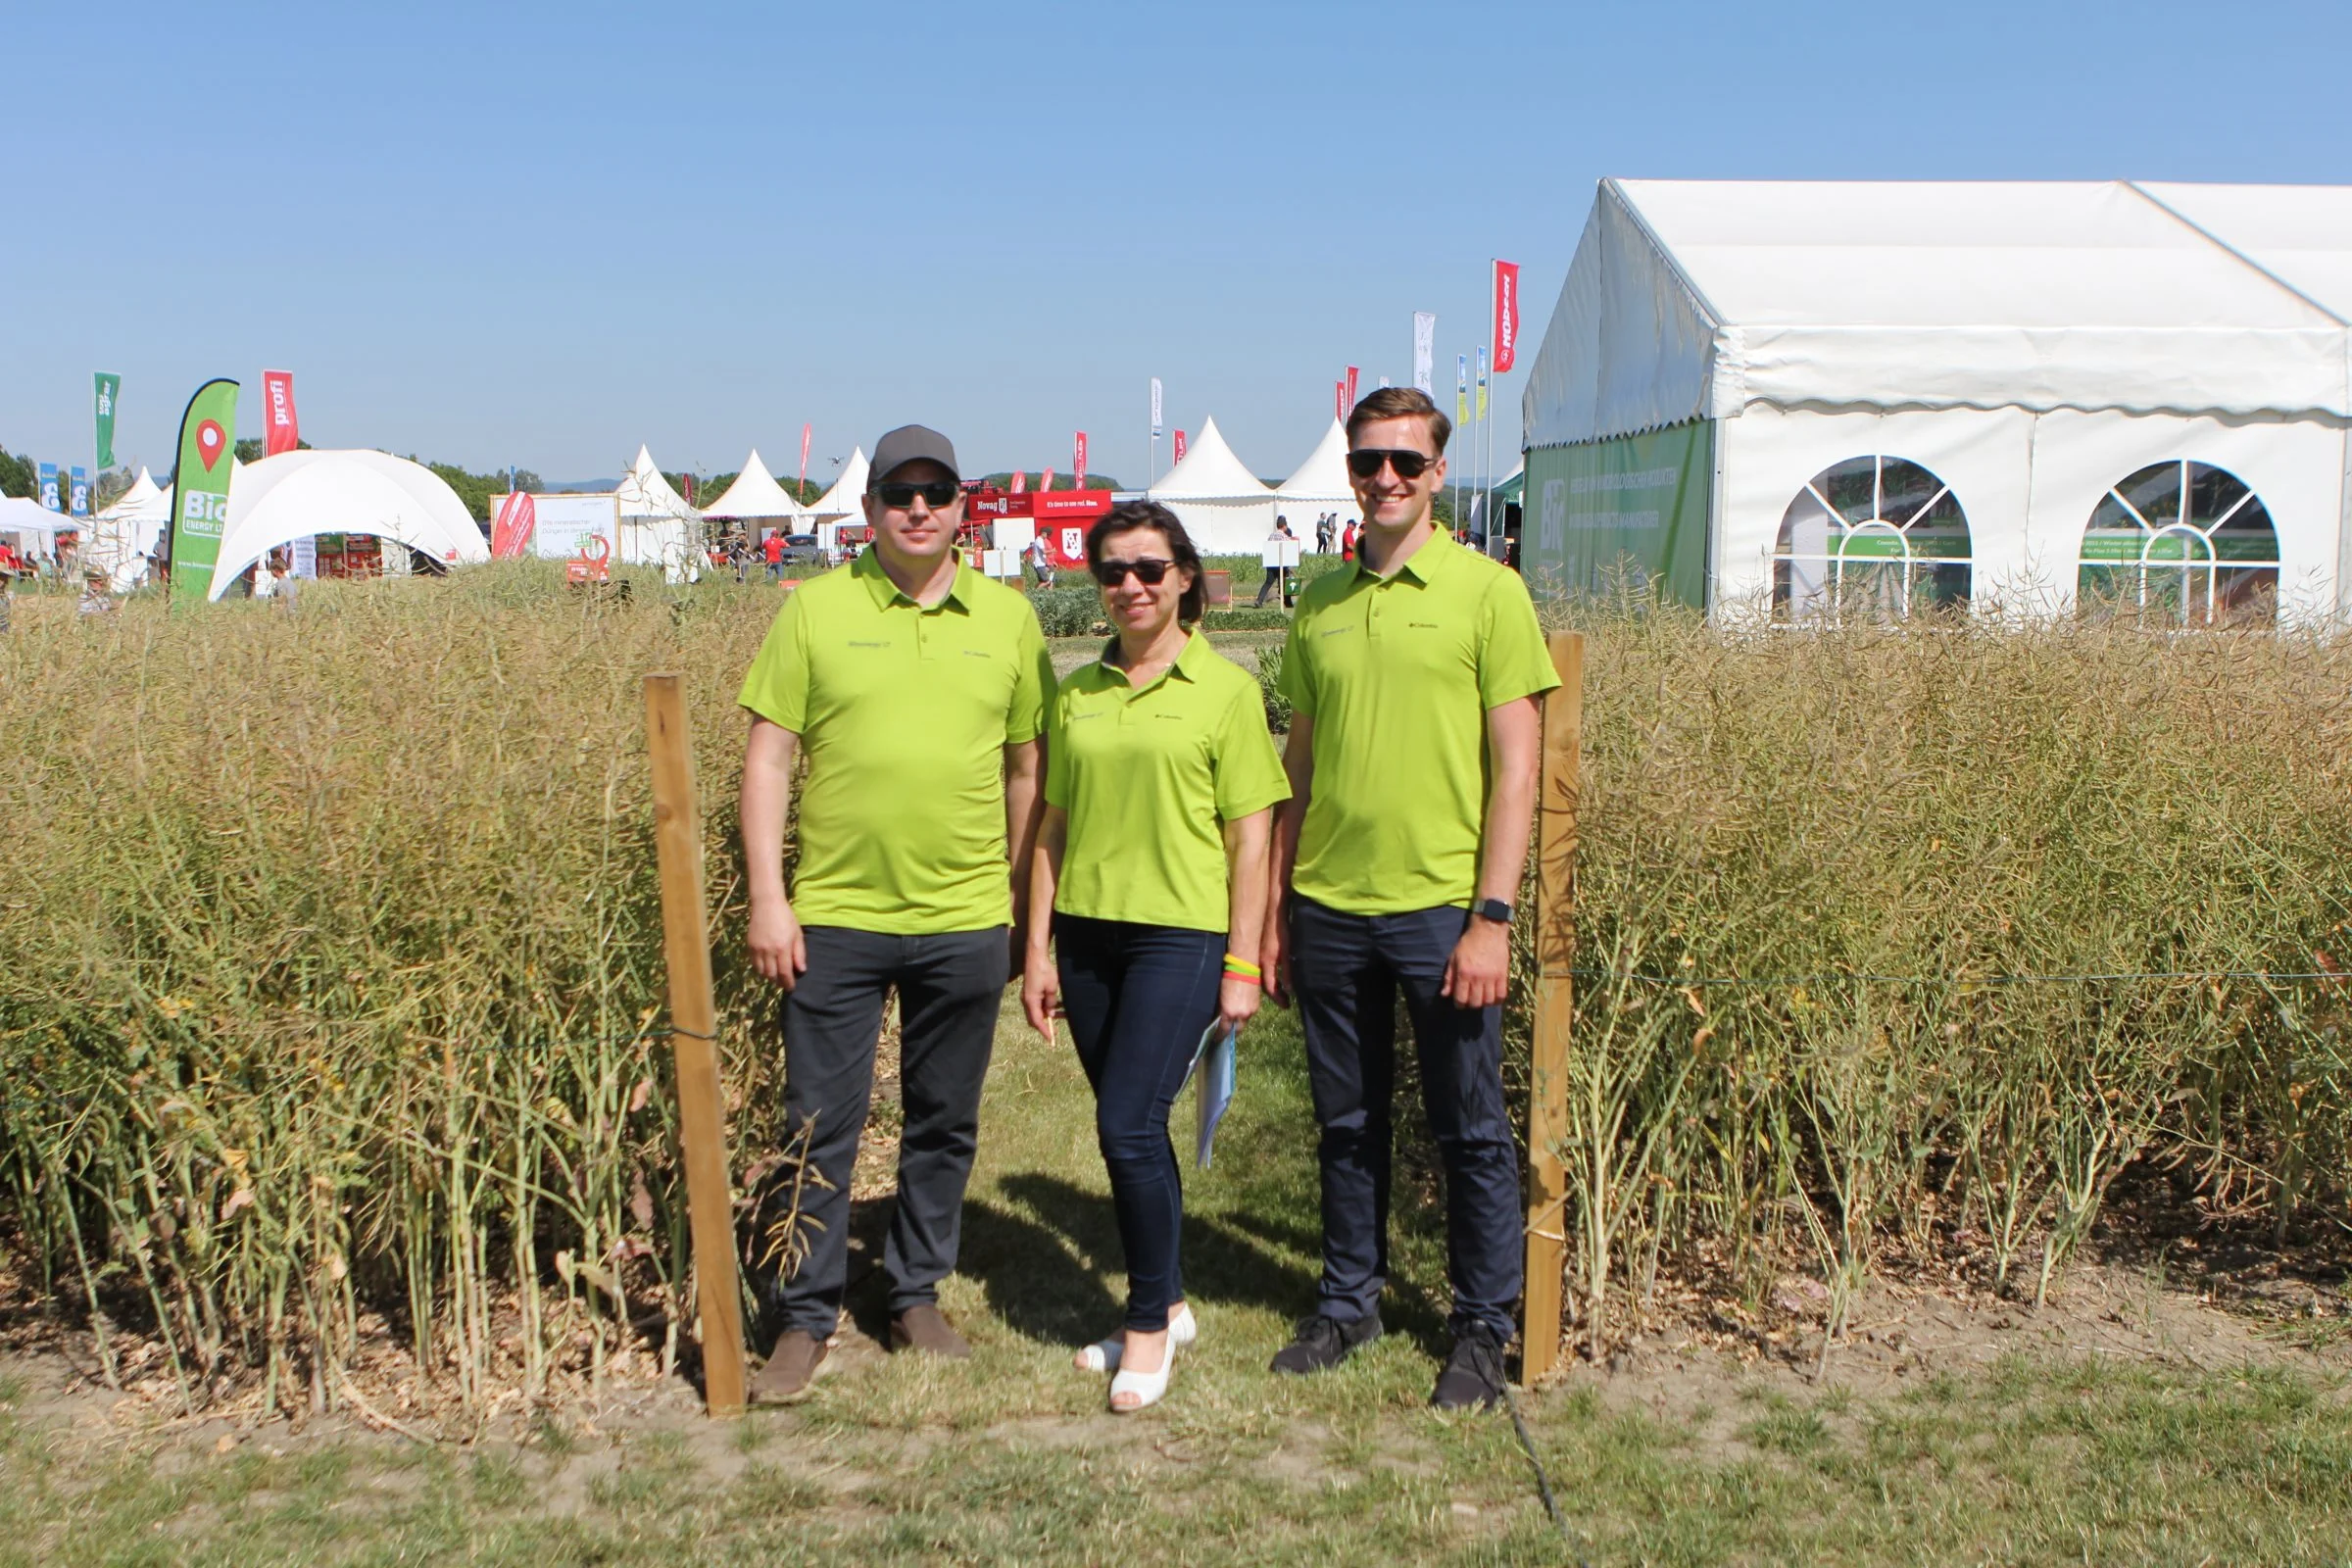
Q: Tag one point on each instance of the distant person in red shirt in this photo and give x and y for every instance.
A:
(773, 548)
(1347, 544)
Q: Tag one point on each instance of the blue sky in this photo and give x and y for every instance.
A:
(542, 234)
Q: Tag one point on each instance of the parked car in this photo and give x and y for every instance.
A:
(801, 549)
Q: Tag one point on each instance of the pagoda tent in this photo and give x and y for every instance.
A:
(128, 531)
(1226, 508)
(294, 495)
(28, 525)
(1806, 400)
(844, 502)
(657, 528)
(756, 499)
(1320, 485)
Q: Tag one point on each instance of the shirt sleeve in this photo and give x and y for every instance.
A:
(1058, 756)
(1294, 683)
(1512, 659)
(1032, 682)
(777, 687)
(1248, 769)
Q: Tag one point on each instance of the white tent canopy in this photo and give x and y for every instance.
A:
(1223, 506)
(127, 530)
(294, 495)
(1320, 485)
(1735, 352)
(756, 494)
(18, 516)
(657, 528)
(844, 499)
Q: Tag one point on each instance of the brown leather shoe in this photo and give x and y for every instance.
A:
(924, 1330)
(790, 1368)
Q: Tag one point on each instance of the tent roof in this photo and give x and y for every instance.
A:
(754, 494)
(843, 499)
(1692, 299)
(644, 493)
(143, 496)
(280, 499)
(1209, 472)
(1323, 477)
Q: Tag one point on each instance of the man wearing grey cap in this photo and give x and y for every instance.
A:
(916, 688)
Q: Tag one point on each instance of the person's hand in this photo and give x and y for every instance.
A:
(779, 949)
(1274, 957)
(1237, 1001)
(1480, 971)
(1041, 993)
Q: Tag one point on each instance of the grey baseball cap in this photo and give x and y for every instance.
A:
(910, 443)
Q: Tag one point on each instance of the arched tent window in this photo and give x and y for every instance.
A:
(2183, 544)
(1876, 536)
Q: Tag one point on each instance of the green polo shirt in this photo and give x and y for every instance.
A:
(904, 714)
(1397, 674)
(1149, 777)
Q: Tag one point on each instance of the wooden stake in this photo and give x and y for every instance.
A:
(1555, 949)
(693, 1038)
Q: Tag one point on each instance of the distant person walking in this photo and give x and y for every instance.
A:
(1347, 543)
(1323, 534)
(1151, 879)
(1412, 757)
(1274, 575)
(917, 688)
(773, 548)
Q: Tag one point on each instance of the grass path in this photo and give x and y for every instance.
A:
(1010, 1457)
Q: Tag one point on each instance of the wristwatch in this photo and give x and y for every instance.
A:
(1493, 909)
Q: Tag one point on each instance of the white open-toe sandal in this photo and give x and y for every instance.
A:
(1183, 1329)
(1147, 1387)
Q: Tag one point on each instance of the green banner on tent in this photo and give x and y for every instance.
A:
(1620, 516)
(207, 436)
(109, 387)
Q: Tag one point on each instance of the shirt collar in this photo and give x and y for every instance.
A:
(869, 566)
(1188, 663)
(1424, 564)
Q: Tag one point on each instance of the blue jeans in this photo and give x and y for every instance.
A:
(1139, 999)
(1347, 970)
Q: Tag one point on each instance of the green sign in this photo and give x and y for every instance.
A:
(109, 387)
(208, 438)
(1622, 514)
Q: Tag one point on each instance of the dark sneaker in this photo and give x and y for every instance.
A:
(924, 1330)
(1473, 1376)
(790, 1368)
(1322, 1343)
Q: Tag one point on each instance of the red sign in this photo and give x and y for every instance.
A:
(1020, 481)
(1350, 408)
(511, 534)
(1067, 544)
(1506, 316)
(1044, 481)
(1180, 446)
(1069, 505)
(1078, 465)
(1338, 400)
(283, 433)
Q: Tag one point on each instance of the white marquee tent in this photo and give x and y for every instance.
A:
(1226, 508)
(30, 522)
(1320, 485)
(755, 497)
(294, 495)
(657, 528)
(842, 502)
(1775, 395)
(127, 531)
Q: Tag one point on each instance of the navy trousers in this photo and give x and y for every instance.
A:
(1139, 999)
(1349, 970)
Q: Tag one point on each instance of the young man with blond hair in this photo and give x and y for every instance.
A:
(1413, 676)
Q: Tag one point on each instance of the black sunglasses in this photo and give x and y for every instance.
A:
(936, 493)
(1365, 462)
(1148, 571)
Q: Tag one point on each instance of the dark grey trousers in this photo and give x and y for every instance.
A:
(949, 987)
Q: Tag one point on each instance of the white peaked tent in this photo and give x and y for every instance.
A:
(127, 531)
(657, 528)
(293, 495)
(755, 497)
(1320, 485)
(842, 502)
(1999, 395)
(1226, 508)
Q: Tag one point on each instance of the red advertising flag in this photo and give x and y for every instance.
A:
(1179, 446)
(1350, 408)
(1506, 316)
(804, 428)
(1078, 465)
(1021, 480)
(1044, 480)
(518, 518)
(1338, 400)
(282, 434)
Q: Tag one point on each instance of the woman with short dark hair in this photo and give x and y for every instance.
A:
(1149, 878)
